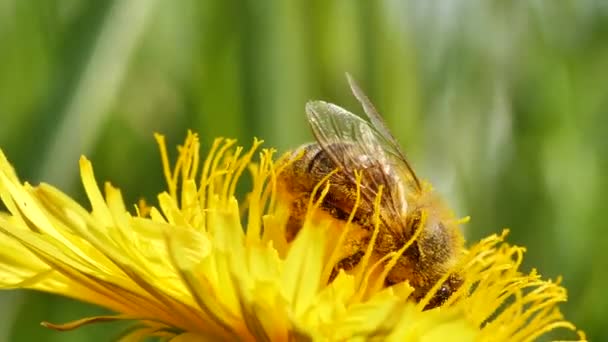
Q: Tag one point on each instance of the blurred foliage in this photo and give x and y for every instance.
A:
(503, 105)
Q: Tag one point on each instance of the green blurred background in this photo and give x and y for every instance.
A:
(502, 105)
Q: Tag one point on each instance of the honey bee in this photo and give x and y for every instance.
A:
(346, 142)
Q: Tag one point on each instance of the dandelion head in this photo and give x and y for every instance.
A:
(204, 265)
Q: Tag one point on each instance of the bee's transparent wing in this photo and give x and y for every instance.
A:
(380, 127)
(352, 142)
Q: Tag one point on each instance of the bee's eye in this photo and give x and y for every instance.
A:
(444, 291)
(442, 294)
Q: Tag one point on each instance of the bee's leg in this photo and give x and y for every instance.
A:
(296, 215)
(346, 264)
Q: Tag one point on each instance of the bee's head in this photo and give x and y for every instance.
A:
(434, 252)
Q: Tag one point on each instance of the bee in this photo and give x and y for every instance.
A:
(346, 142)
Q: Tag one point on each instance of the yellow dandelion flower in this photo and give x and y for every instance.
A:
(202, 266)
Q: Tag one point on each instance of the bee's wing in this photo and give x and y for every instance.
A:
(381, 128)
(351, 141)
